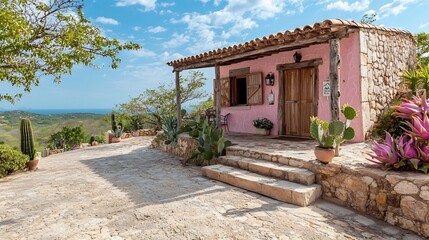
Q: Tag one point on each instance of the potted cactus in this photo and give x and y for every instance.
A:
(117, 135)
(330, 135)
(27, 144)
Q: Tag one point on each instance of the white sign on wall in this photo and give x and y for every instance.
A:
(326, 88)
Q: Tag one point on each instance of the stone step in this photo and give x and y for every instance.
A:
(283, 158)
(272, 169)
(282, 190)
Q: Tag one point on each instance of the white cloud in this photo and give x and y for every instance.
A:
(167, 4)
(262, 9)
(425, 25)
(148, 4)
(166, 56)
(241, 25)
(142, 53)
(156, 29)
(394, 8)
(105, 20)
(177, 41)
(217, 2)
(150, 72)
(211, 30)
(137, 28)
(204, 1)
(356, 6)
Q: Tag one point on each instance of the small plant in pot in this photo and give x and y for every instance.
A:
(27, 144)
(329, 136)
(117, 135)
(263, 126)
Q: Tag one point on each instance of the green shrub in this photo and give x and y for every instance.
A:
(389, 123)
(100, 138)
(11, 160)
(68, 138)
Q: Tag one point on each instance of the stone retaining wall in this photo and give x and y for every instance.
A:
(384, 57)
(400, 199)
(184, 148)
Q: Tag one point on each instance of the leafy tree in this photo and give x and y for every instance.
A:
(48, 38)
(201, 107)
(422, 40)
(369, 18)
(153, 103)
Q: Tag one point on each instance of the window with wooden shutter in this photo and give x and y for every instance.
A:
(225, 92)
(254, 88)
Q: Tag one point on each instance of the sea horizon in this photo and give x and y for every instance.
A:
(62, 110)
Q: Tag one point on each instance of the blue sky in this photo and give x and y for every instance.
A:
(170, 29)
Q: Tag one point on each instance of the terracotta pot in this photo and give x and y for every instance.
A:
(325, 155)
(116, 140)
(32, 165)
(261, 131)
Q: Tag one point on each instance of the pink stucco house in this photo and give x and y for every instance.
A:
(316, 69)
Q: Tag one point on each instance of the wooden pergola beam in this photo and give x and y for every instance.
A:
(218, 95)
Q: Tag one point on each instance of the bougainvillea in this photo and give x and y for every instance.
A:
(409, 151)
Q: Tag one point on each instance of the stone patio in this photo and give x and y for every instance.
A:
(263, 164)
(130, 191)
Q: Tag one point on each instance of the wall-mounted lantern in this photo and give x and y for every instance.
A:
(269, 79)
(297, 57)
(271, 98)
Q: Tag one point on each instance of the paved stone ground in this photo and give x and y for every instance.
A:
(129, 191)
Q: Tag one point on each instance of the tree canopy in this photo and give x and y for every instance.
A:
(162, 100)
(48, 38)
(422, 40)
(369, 18)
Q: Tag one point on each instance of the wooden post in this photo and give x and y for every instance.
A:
(334, 75)
(281, 102)
(179, 109)
(218, 95)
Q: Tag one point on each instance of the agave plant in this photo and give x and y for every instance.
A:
(409, 151)
(385, 153)
(415, 107)
(419, 127)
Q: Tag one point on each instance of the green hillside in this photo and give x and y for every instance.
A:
(45, 125)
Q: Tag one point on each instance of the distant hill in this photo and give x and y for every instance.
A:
(44, 125)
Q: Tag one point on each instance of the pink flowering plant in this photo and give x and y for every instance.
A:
(409, 151)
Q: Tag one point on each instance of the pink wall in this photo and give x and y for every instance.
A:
(242, 116)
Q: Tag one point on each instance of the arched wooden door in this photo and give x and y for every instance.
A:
(299, 101)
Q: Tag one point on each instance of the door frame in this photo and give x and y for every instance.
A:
(281, 68)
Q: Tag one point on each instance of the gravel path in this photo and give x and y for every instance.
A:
(130, 191)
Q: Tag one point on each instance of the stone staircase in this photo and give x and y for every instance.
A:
(269, 175)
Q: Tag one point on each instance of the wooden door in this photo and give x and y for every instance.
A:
(292, 87)
(299, 101)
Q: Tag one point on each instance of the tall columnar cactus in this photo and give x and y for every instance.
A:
(113, 122)
(27, 139)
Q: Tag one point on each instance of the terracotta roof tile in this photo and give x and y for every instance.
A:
(307, 32)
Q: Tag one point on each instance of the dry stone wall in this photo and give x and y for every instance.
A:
(399, 198)
(385, 55)
(184, 148)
